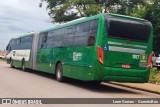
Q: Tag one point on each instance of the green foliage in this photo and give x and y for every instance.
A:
(154, 76)
(139, 12)
(66, 10)
(153, 15)
(153, 73)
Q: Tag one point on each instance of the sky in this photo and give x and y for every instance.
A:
(18, 17)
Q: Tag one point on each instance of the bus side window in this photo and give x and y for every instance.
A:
(68, 40)
(16, 44)
(12, 45)
(26, 42)
(91, 40)
(44, 40)
(93, 32)
(81, 35)
(51, 39)
(58, 38)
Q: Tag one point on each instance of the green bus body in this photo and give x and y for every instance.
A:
(112, 57)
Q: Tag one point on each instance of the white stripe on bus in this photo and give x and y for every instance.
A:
(128, 50)
(121, 44)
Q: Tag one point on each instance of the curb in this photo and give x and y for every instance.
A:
(128, 86)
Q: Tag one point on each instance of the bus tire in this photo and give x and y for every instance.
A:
(11, 63)
(23, 65)
(59, 73)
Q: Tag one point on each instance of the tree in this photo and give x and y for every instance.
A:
(153, 15)
(67, 10)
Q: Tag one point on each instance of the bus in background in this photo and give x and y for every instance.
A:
(105, 47)
(19, 51)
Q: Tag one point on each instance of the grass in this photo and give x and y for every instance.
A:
(154, 76)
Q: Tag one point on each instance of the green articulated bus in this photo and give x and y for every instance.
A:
(105, 47)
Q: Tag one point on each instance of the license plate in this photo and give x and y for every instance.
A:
(126, 66)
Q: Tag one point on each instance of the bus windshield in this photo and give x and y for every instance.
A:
(127, 29)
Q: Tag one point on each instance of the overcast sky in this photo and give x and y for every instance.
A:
(18, 17)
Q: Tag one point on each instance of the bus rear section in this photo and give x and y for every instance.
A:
(123, 52)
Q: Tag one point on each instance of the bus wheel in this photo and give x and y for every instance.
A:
(23, 65)
(59, 73)
(11, 64)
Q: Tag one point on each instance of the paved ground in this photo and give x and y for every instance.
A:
(15, 83)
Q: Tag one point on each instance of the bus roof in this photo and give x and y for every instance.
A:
(125, 16)
(24, 35)
(80, 20)
(28, 34)
(83, 19)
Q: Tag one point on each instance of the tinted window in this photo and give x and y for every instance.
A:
(14, 44)
(43, 40)
(51, 39)
(82, 34)
(93, 28)
(93, 32)
(69, 36)
(55, 38)
(26, 42)
(128, 29)
(83, 27)
(8, 48)
(85, 33)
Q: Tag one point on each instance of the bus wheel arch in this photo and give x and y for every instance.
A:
(59, 72)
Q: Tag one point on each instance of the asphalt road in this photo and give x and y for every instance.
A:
(15, 83)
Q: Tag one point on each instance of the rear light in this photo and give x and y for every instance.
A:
(149, 61)
(100, 55)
